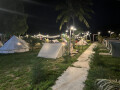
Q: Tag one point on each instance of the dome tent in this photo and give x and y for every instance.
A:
(14, 45)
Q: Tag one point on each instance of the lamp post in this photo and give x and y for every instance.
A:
(109, 33)
(72, 28)
(99, 33)
(90, 37)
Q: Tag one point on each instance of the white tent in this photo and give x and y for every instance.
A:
(81, 42)
(1, 44)
(24, 43)
(55, 41)
(14, 45)
(52, 50)
(115, 50)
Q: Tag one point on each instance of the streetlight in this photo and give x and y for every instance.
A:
(109, 33)
(99, 33)
(88, 34)
(72, 28)
(66, 31)
(112, 32)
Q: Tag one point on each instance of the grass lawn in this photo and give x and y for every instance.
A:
(102, 67)
(26, 71)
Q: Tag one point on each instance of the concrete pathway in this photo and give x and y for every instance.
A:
(74, 77)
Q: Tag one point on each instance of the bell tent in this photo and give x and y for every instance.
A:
(14, 45)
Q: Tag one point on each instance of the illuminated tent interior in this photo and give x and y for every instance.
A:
(52, 50)
(14, 45)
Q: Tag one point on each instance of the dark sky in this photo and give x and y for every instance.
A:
(106, 16)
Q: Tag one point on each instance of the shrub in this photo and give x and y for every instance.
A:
(95, 60)
(88, 41)
(32, 41)
(100, 39)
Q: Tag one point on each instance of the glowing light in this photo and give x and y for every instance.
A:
(112, 32)
(19, 43)
(109, 31)
(73, 28)
(63, 43)
(66, 31)
(99, 33)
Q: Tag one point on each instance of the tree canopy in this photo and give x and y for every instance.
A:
(12, 17)
(74, 8)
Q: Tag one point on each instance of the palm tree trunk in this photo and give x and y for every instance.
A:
(73, 20)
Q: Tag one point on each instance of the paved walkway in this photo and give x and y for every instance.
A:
(74, 77)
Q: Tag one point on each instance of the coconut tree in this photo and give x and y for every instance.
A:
(70, 9)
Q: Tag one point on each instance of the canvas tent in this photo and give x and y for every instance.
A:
(52, 50)
(81, 42)
(1, 44)
(115, 49)
(14, 45)
(109, 43)
(55, 41)
(106, 41)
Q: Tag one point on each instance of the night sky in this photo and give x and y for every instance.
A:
(106, 16)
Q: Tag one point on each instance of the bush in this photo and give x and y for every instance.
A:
(95, 60)
(88, 41)
(67, 59)
(32, 41)
(100, 39)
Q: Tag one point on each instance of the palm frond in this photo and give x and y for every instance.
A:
(62, 14)
(106, 84)
(64, 20)
(82, 19)
(74, 8)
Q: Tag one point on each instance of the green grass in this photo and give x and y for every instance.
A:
(26, 71)
(102, 67)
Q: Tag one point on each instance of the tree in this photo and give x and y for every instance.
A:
(12, 18)
(74, 8)
(32, 41)
(114, 35)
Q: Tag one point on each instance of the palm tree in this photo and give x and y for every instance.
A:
(74, 8)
